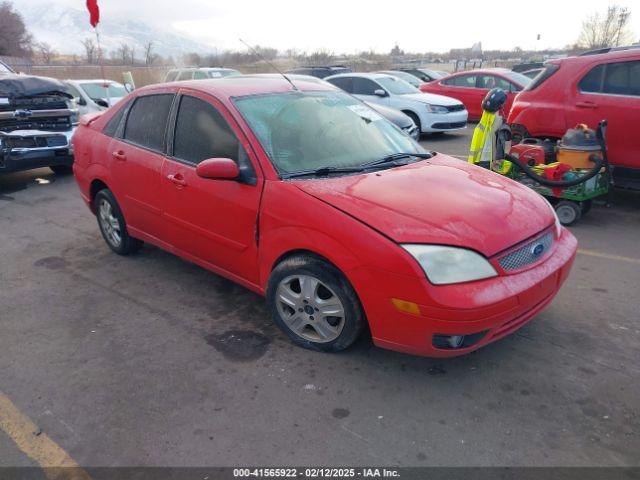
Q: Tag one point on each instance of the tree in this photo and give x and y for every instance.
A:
(149, 56)
(90, 50)
(14, 37)
(45, 52)
(606, 30)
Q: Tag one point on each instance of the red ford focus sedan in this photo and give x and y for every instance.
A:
(308, 197)
(471, 87)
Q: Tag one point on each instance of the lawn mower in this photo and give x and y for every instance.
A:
(569, 173)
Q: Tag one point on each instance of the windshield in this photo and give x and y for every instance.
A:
(396, 86)
(519, 78)
(302, 131)
(223, 73)
(98, 90)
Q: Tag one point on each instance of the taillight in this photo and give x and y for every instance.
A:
(549, 69)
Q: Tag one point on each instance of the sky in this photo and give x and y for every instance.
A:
(348, 26)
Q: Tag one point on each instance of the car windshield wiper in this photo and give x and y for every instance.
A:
(397, 156)
(324, 171)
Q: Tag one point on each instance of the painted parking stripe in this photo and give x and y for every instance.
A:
(593, 253)
(37, 445)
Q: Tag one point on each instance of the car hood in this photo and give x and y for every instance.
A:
(432, 98)
(14, 85)
(440, 201)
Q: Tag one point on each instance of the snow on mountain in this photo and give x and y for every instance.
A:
(65, 27)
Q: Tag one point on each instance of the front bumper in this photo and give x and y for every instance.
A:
(28, 149)
(444, 122)
(485, 310)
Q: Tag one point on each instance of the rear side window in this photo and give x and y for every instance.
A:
(111, 129)
(147, 121)
(343, 83)
(364, 86)
(201, 133)
(548, 71)
(468, 81)
(592, 81)
(621, 78)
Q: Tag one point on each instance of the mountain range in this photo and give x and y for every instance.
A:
(64, 28)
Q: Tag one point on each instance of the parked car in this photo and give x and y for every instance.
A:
(424, 74)
(95, 95)
(37, 119)
(396, 117)
(587, 89)
(472, 86)
(407, 77)
(339, 220)
(321, 71)
(192, 73)
(431, 113)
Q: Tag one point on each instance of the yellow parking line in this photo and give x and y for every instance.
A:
(593, 253)
(57, 464)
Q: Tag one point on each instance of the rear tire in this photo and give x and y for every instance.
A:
(314, 304)
(113, 226)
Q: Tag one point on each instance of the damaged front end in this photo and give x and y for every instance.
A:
(37, 120)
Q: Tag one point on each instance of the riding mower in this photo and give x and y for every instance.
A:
(569, 174)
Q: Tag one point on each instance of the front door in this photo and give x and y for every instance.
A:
(213, 221)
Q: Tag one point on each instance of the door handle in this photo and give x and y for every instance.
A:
(177, 180)
(119, 155)
(586, 105)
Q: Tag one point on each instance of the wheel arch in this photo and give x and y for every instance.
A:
(95, 186)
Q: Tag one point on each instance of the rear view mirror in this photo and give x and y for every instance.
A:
(380, 93)
(218, 169)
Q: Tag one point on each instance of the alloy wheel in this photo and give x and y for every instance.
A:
(109, 223)
(310, 308)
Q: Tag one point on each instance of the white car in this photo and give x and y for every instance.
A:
(430, 112)
(201, 73)
(95, 95)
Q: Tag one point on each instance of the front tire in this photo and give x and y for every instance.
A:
(314, 304)
(416, 120)
(113, 226)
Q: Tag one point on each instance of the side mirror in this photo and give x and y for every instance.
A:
(380, 93)
(218, 169)
(102, 103)
(81, 101)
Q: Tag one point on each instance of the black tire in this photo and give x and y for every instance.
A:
(61, 169)
(415, 119)
(568, 212)
(353, 321)
(127, 243)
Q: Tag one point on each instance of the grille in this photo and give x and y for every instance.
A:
(448, 126)
(526, 255)
(42, 102)
(36, 142)
(59, 124)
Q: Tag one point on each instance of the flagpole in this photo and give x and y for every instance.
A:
(101, 63)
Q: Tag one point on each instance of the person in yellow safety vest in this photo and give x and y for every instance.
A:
(484, 148)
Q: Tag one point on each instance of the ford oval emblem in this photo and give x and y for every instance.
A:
(537, 249)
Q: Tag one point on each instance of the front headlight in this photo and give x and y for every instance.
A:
(436, 109)
(445, 265)
(73, 106)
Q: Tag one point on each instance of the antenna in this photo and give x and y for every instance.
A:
(255, 52)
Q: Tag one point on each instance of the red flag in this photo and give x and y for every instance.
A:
(94, 12)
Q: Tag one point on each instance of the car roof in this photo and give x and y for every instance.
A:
(239, 86)
(595, 57)
(372, 75)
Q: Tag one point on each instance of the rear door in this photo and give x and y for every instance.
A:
(611, 91)
(463, 88)
(136, 162)
(213, 221)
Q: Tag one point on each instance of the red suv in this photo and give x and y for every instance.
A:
(598, 85)
(305, 195)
